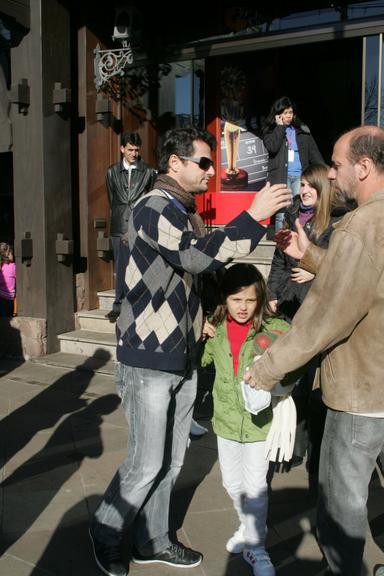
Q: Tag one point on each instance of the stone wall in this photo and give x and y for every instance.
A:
(22, 336)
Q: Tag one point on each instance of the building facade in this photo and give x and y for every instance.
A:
(61, 123)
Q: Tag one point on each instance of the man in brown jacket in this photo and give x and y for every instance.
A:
(342, 319)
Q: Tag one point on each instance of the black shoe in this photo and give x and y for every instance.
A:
(112, 316)
(108, 558)
(174, 555)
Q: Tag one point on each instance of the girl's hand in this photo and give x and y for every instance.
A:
(209, 331)
(301, 276)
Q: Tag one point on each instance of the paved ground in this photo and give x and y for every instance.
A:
(62, 436)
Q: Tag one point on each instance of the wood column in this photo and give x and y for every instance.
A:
(42, 177)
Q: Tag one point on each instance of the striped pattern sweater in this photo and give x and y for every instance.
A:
(161, 318)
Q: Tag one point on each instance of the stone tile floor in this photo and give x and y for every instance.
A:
(62, 436)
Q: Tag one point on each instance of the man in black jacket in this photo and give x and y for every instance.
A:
(126, 182)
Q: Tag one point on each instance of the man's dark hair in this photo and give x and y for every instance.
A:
(180, 141)
(132, 138)
(368, 143)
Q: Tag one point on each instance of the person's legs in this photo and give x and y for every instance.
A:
(293, 182)
(255, 502)
(6, 308)
(146, 397)
(116, 306)
(151, 524)
(350, 447)
(230, 460)
(244, 471)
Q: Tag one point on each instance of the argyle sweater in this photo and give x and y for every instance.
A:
(161, 317)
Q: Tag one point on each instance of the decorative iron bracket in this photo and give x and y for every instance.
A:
(111, 63)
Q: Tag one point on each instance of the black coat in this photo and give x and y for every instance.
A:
(121, 197)
(276, 144)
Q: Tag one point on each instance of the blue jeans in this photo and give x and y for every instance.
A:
(350, 447)
(293, 182)
(158, 407)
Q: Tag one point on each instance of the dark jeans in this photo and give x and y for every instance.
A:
(311, 413)
(119, 293)
(6, 307)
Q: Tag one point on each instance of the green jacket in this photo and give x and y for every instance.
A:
(230, 418)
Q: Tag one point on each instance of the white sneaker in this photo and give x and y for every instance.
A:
(236, 543)
(197, 429)
(260, 561)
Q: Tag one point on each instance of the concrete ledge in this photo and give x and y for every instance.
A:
(22, 336)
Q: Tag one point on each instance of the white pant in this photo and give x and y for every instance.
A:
(244, 470)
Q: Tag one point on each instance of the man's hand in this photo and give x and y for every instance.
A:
(293, 243)
(301, 276)
(270, 200)
(248, 379)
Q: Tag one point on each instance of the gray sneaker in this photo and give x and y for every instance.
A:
(108, 558)
(175, 555)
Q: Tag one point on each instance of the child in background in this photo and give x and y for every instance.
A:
(7, 280)
(229, 336)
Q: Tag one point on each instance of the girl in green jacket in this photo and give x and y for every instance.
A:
(243, 315)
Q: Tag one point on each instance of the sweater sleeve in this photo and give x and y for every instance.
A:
(165, 228)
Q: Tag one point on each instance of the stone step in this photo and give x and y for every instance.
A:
(264, 250)
(106, 298)
(263, 264)
(88, 343)
(95, 321)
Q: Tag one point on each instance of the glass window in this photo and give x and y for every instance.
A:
(371, 79)
(181, 94)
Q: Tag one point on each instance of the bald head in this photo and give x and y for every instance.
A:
(357, 168)
(368, 142)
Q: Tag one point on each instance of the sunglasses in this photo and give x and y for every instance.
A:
(203, 162)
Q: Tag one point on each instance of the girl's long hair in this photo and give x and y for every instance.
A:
(235, 279)
(317, 177)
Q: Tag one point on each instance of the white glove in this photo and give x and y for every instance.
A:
(281, 436)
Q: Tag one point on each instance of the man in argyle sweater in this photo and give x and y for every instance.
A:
(157, 331)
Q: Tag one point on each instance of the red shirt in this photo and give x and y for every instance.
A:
(237, 333)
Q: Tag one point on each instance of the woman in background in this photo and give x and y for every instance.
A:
(290, 146)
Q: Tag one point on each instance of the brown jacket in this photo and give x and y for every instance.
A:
(342, 316)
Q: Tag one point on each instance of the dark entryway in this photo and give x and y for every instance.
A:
(324, 80)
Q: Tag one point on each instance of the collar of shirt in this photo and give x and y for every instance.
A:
(128, 166)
